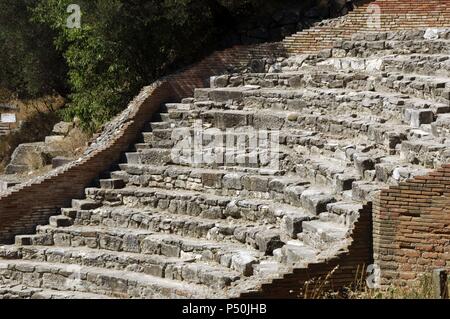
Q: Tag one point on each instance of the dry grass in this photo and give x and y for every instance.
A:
(315, 288)
(73, 144)
(420, 289)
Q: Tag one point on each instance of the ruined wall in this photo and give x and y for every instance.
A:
(411, 227)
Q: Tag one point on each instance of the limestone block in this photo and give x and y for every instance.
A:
(268, 240)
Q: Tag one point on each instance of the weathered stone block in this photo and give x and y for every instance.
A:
(268, 241)
(243, 263)
(315, 201)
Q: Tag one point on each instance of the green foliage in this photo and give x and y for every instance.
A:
(30, 65)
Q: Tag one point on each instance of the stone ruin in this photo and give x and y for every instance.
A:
(8, 118)
(329, 130)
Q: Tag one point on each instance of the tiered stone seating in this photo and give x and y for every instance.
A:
(348, 121)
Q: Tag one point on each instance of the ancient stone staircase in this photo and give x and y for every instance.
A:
(336, 127)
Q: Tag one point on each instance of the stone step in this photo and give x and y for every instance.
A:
(169, 223)
(424, 64)
(441, 128)
(310, 125)
(178, 106)
(365, 191)
(160, 125)
(211, 157)
(24, 292)
(355, 77)
(375, 128)
(149, 243)
(203, 205)
(427, 152)
(156, 156)
(262, 238)
(360, 101)
(392, 170)
(157, 134)
(418, 117)
(315, 201)
(403, 36)
(259, 79)
(121, 284)
(209, 134)
(139, 147)
(297, 253)
(84, 204)
(327, 171)
(182, 269)
(340, 148)
(387, 135)
(218, 182)
(235, 257)
(221, 94)
(112, 183)
(60, 221)
(146, 169)
(262, 125)
(421, 86)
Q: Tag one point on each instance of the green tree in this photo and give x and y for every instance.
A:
(30, 65)
(122, 46)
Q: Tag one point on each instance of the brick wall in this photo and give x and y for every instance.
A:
(411, 227)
